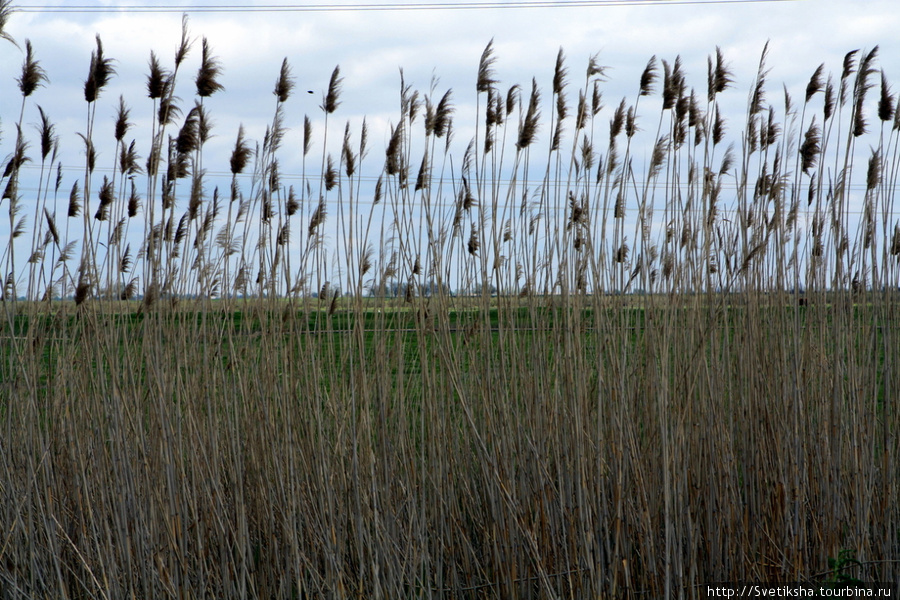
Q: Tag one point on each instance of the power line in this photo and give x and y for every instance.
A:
(380, 6)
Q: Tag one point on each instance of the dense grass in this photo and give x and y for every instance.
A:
(256, 457)
(207, 416)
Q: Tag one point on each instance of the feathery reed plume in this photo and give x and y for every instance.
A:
(848, 69)
(529, 127)
(185, 44)
(618, 120)
(332, 306)
(668, 90)
(576, 216)
(414, 103)
(6, 11)
(99, 73)
(442, 114)
(815, 84)
(581, 112)
(596, 98)
(562, 110)
(169, 110)
(347, 155)
(886, 101)
(429, 116)
(106, 196)
(718, 128)
(860, 89)
(151, 294)
(318, 217)
(771, 131)
(181, 230)
(486, 78)
(332, 97)
(179, 166)
(128, 160)
(594, 68)
(307, 135)
(658, 158)
(122, 124)
(330, 175)
(188, 139)
(33, 75)
(196, 195)
(19, 229)
(631, 123)
(512, 98)
(719, 77)
(873, 173)
(285, 83)
(376, 196)
(366, 263)
(560, 73)
(673, 83)
(292, 205)
(241, 154)
(758, 96)
(130, 289)
(274, 175)
(473, 243)
(649, 77)
(74, 201)
(158, 79)
(619, 206)
(51, 226)
(363, 140)
(394, 162)
(47, 133)
(494, 109)
(118, 232)
(727, 160)
(467, 199)
(134, 201)
(809, 150)
(204, 124)
(284, 235)
(695, 114)
(554, 140)
(82, 291)
(90, 152)
(830, 101)
(423, 177)
(207, 76)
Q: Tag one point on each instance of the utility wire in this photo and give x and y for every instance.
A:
(380, 6)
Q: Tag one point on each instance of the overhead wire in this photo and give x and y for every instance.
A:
(377, 6)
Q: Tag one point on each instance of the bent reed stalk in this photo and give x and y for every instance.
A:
(507, 377)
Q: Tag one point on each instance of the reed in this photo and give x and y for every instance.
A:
(530, 365)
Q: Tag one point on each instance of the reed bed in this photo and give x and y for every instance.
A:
(665, 371)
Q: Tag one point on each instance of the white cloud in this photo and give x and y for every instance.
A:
(371, 47)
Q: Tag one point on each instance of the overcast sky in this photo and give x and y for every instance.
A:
(371, 46)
